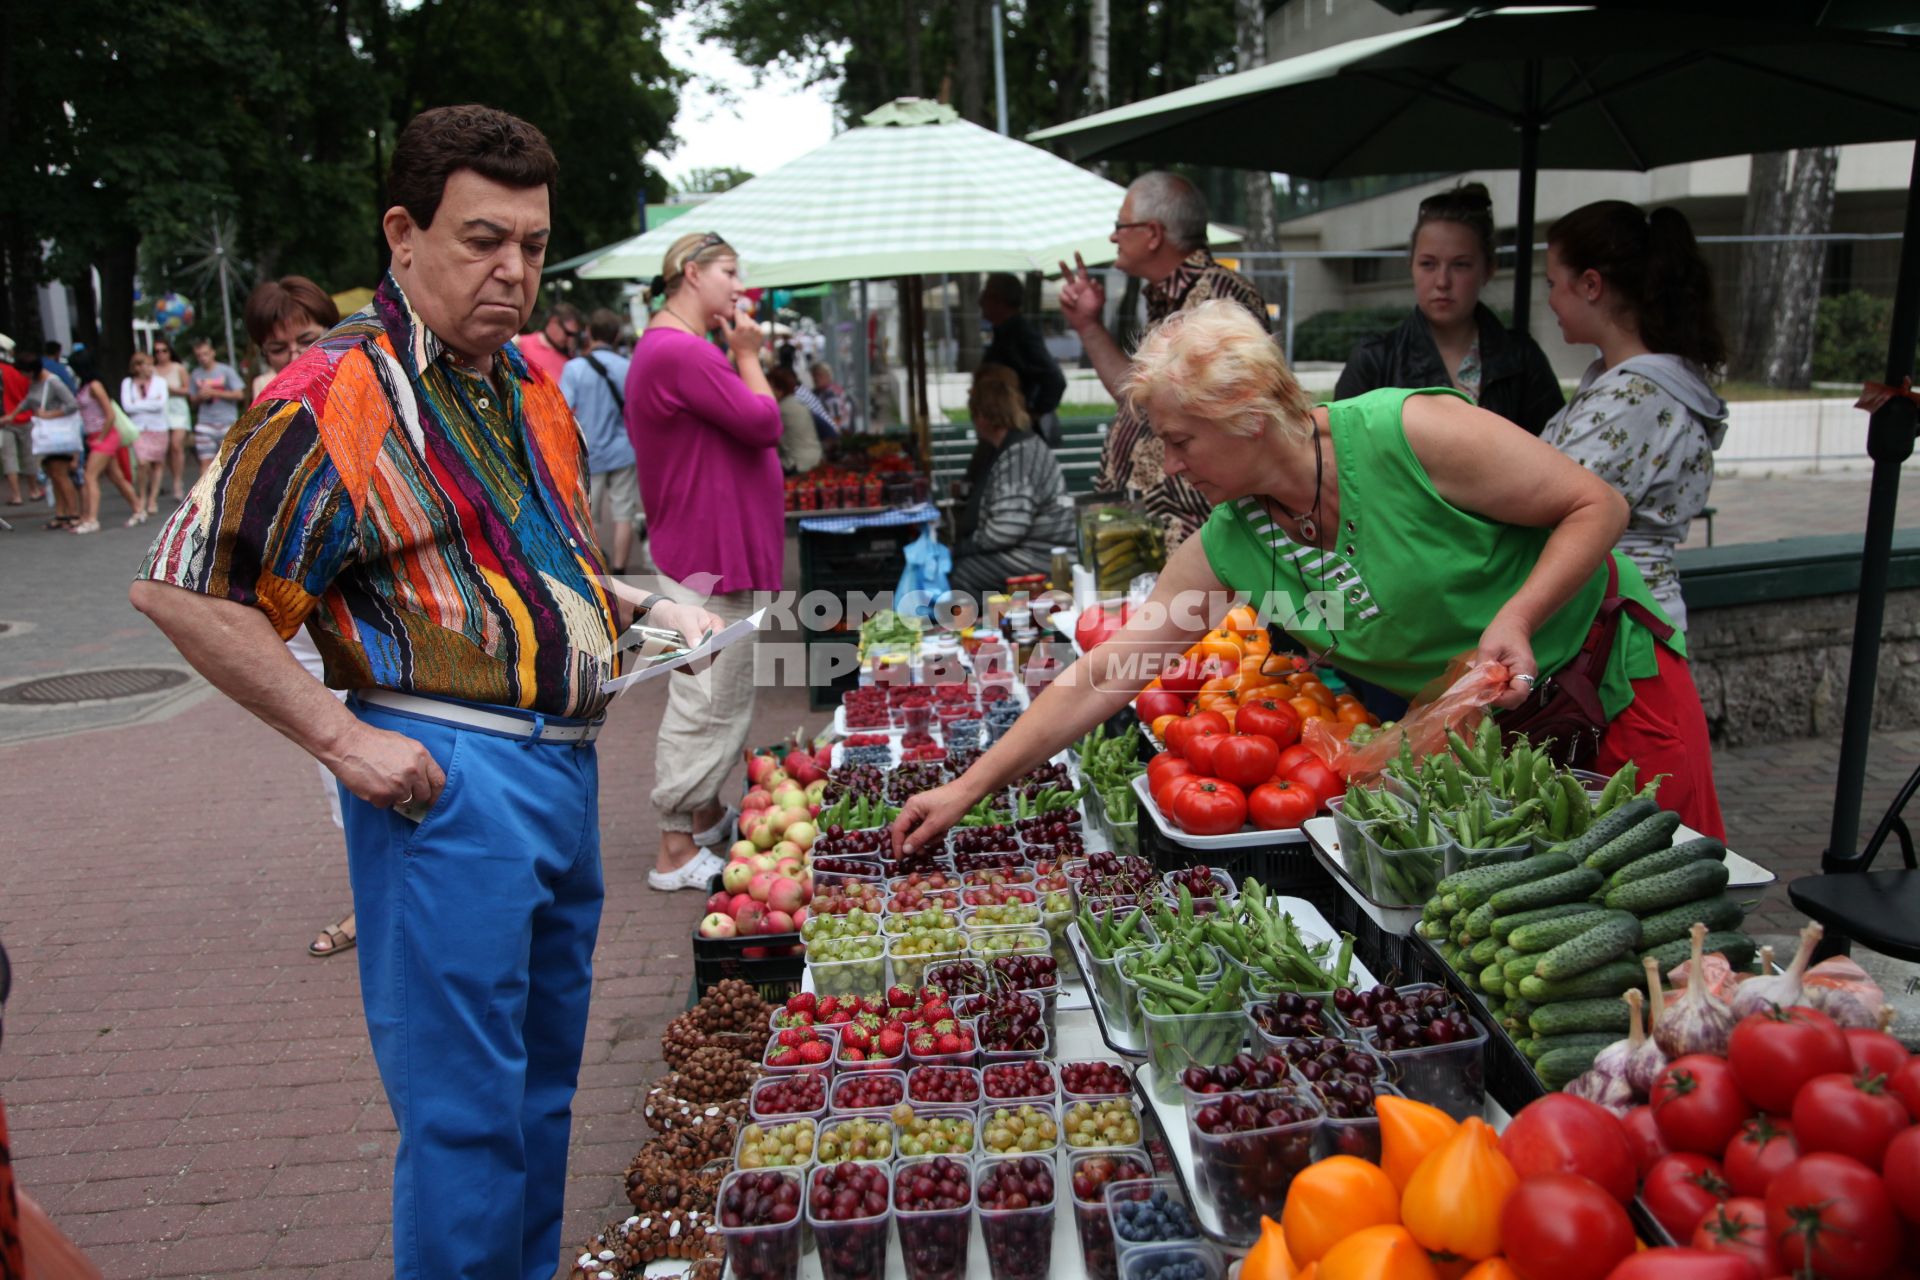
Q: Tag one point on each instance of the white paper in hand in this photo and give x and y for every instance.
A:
(711, 645)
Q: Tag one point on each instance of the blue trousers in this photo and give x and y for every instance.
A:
(476, 933)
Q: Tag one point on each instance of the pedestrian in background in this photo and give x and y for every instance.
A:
(143, 394)
(218, 392)
(179, 412)
(50, 361)
(555, 343)
(104, 445)
(15, 421)
(1017, 344)
(56, 438)
(591, 383)
(832, 396)
(709, 428)
(799, 438)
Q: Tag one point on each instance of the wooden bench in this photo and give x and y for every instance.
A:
(1081, 440)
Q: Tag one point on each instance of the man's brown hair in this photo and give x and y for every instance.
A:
(274, 302)
(437, 144)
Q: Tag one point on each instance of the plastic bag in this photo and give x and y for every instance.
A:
(1454, 701)
(1721, 979)
(924, 580)
(1844, 992)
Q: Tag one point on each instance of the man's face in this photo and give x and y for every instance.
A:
(1134, 241)
(563, 335)
(821, 378)
(204, 354)
(473, 275)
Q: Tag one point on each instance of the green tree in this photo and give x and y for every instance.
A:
(712, 181)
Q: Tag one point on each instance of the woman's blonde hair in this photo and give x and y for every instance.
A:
(1217, 363)
(995, 398)
(696, 246)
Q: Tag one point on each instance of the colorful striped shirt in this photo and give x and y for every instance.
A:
(427, 523)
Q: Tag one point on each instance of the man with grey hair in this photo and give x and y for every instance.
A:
(1160, 238)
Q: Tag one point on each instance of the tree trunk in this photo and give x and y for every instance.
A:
(910, 32)
(1099, 56)
(118, 265)
(86, 309)
(1250, 51)
(1789, 350)
(23, 297)
(1765, 215)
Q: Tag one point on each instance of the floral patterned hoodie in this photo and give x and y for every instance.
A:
(1648, 427)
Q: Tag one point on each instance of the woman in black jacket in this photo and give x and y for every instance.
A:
(1451, 340)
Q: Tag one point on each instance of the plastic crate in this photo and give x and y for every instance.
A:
(717, 959)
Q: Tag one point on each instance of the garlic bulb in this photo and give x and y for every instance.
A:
(1699, 1022)
(1645, 1061)
(1777, 990)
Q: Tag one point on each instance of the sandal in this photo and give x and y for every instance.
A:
(61, 522)
(339, 937)
(87, 526)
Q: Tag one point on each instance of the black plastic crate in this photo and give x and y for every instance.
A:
(717, 959)
(1510, 1077)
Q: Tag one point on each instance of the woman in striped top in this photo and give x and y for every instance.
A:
(1018, 512)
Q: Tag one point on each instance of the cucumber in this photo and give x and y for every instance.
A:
(1702, 878)
(1482, 952)
(1519, 967)
(1601, 1013)
(1610, 979)
(1737, 947)
(1668, 859)
(1594, 1040)
(1449, 954)
(1505, 954)
(1721, 913)
(1492, 979)
(1470, 978)
(1655, 832)
(1608, 829)
(1510, 991)
(1522, 1044)
(1518, 1011)
(1479, 885)
(1561, 1067)
(1480, 921)
(1565, 886)
(1548, 934)
(1606, 941)
(1503, 926)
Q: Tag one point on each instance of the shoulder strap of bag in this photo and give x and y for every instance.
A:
(619, 401)
(1581, 677)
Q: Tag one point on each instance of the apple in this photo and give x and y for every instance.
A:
(755, 953)
(720, 900)
(790, 866)
(735, 875)
(816, 792)
(823, 756)
(739, 900)
(779, 922)
(717, 925)
(750, 919)
(772, 778)
(757, 798)
(764, 861)
(801, 916)
(785, 894)
(761, 885)
(803, 833)
(762, 834)
(742, 849)
(758, 767)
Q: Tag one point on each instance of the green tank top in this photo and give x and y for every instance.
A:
(1411, 580)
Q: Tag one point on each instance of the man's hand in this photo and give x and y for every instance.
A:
(386, 769)
(692, 622)
(1083, 299)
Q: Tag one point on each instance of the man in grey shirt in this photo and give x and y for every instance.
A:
(216, 393)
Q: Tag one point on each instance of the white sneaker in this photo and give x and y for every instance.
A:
(720, 832)
(692, 874)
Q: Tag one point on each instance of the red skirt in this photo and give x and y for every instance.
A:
(1665, 730)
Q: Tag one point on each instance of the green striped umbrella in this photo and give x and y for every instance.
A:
(915, 191)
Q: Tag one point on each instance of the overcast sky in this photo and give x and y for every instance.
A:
(756, 129)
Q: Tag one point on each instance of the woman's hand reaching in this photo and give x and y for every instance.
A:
(1510, 645)
(927, 816)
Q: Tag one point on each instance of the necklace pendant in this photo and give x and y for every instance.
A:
(1309, 530)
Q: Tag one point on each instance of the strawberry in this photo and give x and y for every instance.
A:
(814, 1052)
(851, 1054)
(841, 1017)
(802, 1003)
(792, 1036)
(825, 1005)
(892, 1040)
(855, 1036)
(949, 1042)
(933, 995)
(936, 1013)
(899, 997)
(869, 1020)
(923, 1043)
(945, 1027)
(785, 1058)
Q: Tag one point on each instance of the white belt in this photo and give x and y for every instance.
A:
(466, 714)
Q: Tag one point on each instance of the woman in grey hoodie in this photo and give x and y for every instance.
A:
(1644, 419)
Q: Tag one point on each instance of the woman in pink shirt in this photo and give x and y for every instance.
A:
(705, 426)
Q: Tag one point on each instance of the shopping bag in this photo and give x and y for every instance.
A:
(128, 430)
(57, 435)
(1456, 701)
(924, 580)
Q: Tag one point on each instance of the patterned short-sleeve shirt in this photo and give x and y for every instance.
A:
(427, 522)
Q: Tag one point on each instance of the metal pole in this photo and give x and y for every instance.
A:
(226, 308)
(863, 404)
(1890, 433)
(1529, 179)
(999, 72)
(1289, 274)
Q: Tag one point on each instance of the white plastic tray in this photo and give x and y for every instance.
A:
(1248, 839)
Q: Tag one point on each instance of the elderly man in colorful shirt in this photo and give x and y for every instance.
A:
(1160, 237)
(415, 495)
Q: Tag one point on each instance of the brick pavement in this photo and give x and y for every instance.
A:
(191, 1094)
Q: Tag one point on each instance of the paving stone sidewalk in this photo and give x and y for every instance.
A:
(191, 1094)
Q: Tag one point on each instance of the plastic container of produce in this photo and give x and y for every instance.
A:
(1246, 1174)
(933, 1242)
(1359, 1136)
(834, 1124)
(984, 944)
(1452, 1077)
(1162, 1261)
(942, 1071)
(854, 1080)
(849, 977)
(964, 977)
(1115, 1193)
(1225, 890)
(1105, 984)
(1090, 1220)
(989, 1112)
(851, 1248)
(1180, 1040)
(1019, 1241)
(1461, 858)
(740, 1141)
(911, 970)
(921, 1111)
(931, 917)
(964, 1058)
(1068, 1097)
(760, 1114)
(1029, 915)
(770, 1252)
(1263, 1043)
(1075, 1141)
(1046, 1099)
(1042, 1053)
(1402, 877)
(841, 926)
(826, 1033)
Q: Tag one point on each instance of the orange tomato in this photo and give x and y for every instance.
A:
(1223, 645)
(1493, 1269)
(1333, 1198)
(1160, 726)
(1355, 714)
(1409, 1132)
(1308, 708)
(1242, 618)
(1319, 693)
(1377, 1253)
(1269, 1258)
(1339, 700)
(1253, 674)
(1452, 1202)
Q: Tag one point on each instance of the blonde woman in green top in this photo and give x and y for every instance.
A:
(1389, 534)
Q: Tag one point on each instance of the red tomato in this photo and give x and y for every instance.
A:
(1829, 1214)
(1154, 703)
(1698, 1105)
(1293, 755)
(1564, 1134)
(1875, 1052)
(1210, 807)
(1188, 672)
(1169, 793)
(1200, 746)
(1199, 722)
(1685, 1264)
(1281, 806)
(1763, 1147)
(1246, 759)
(1164, 766)
(1854, 1115)
(1270, 718)
(1318, 774)
(1906, 1083)
(1739, 1227)
(1679, 1190)
(1774, 1052)
(1559, 1226)
(1643, 1135)
(1900, 1166)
